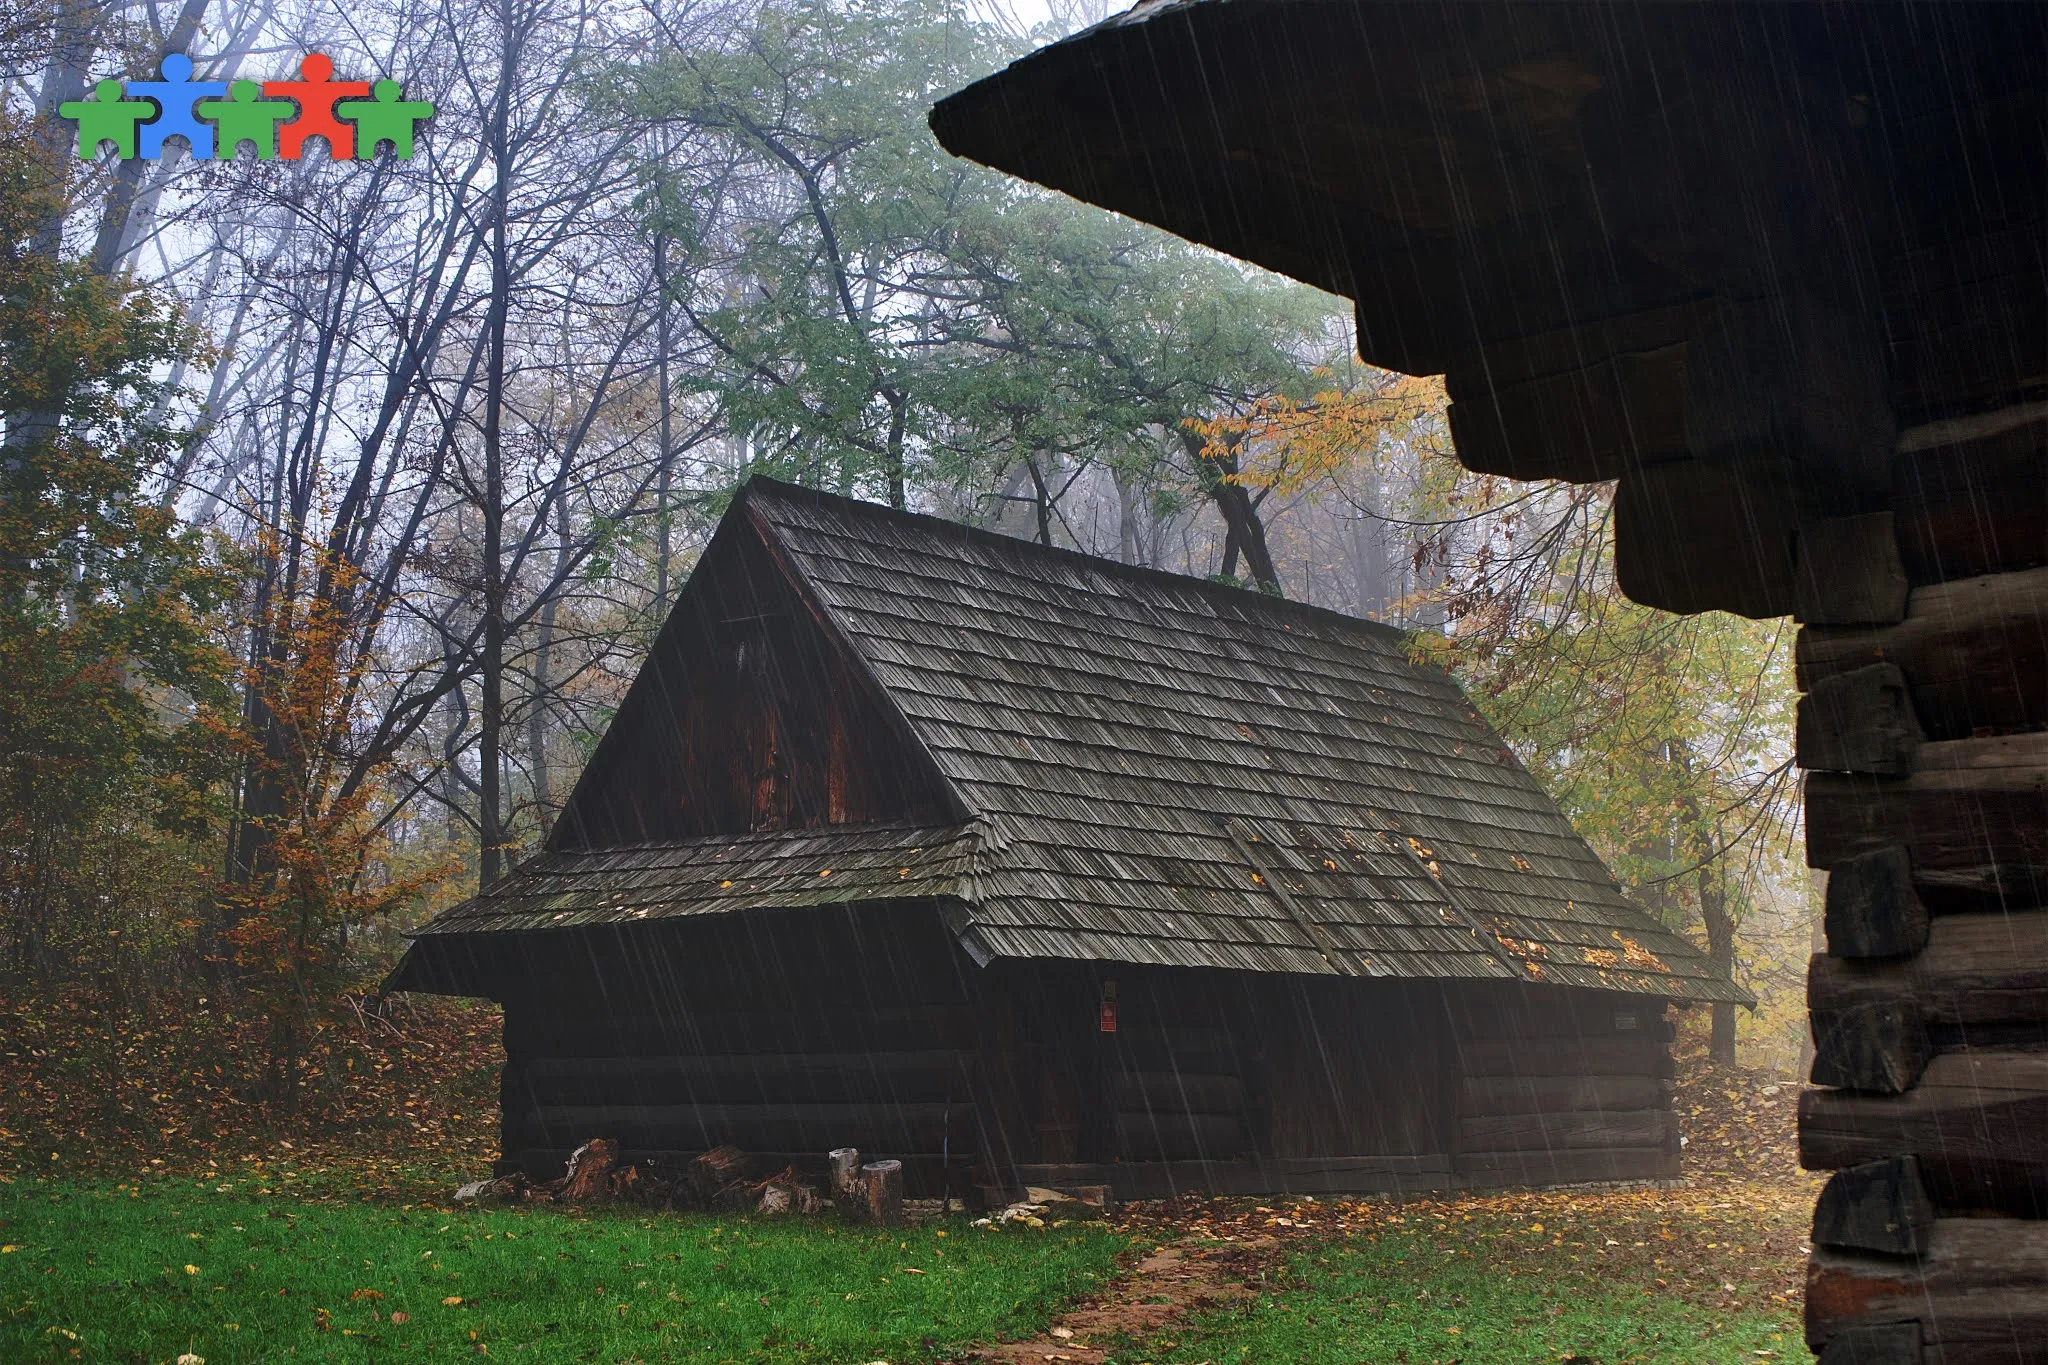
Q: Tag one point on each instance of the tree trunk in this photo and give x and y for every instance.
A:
(664, 529)
(1041, 498)
(1240, 515)
(1720, 926)
(491, 734)
(899, 416)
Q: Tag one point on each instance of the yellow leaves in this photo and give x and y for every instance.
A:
(452, 1301)
(191, 1270)
(1285, 444)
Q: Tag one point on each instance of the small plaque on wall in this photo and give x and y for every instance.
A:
(1624, 1023)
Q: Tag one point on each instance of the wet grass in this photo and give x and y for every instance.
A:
(145, 1272)
(1479, 1286)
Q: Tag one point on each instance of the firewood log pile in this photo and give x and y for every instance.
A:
(721, 1180)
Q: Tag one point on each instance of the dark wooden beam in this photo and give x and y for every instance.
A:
(1974, 653)
(1849, 572)
(1872, 909)
(1880, 1206)
(1981, 976)
(1973, 816)
(1978, 1296)
(1978, 1121)
(1875, 1045)
(1861, 721)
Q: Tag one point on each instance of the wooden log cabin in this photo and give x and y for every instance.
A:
(1030, 868)
(1781, 271)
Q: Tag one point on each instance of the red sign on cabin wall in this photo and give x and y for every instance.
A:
(1109, 1016)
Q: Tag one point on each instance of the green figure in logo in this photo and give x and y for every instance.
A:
(384, 119)
(107, 119)
(247, 117)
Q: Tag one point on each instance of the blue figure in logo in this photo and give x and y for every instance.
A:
(174, 96)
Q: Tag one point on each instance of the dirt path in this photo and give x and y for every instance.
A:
(1166, 1285)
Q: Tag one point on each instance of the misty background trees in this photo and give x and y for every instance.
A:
(343, 499)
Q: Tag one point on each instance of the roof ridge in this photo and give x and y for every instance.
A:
(763, 487)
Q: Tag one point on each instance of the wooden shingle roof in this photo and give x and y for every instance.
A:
(1156, 769)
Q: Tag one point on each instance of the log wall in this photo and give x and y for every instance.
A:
(1557, 1087)
(786, 1033)
(1925, 730)
(791, 1033)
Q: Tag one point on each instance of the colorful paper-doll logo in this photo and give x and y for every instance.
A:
(275, 117)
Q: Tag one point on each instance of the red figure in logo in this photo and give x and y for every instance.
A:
(316, 95)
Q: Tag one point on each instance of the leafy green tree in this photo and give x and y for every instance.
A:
(115, 708)
(888, 316)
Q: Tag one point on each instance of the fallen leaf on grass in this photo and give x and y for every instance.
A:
(451, 1301)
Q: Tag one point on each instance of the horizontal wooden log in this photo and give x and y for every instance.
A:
(1489, 1170)
(1973, 817)
(1979, 1294)
(1547, 1132)
(1176, 1091)
(1558, 1094)
(536, 1029)
(1978, 1121)
(1880, 1206)
(1545, 1012)
(1977, 974)
(1893, 1343)
(1849, 572)
(1972, 494)
(1872, 910)
(756, 1127)
(1566, 1057)
(1259, 1175)
(762, 1078)
(1974, 653)
(1859, 722)
(1167, 1136)
(1880, 1046)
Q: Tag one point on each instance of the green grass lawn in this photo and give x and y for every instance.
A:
(121, 1273)
(1481, 1288)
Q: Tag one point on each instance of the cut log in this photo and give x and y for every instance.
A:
(1880, 1206)
(1872, 908)
(1973, 817)
(1880, 1046)
(1850, 573)
(1545, 1132)
(1972, 494)
(1974, 653)
(1978, 1121)
(1566, 1057)
(589, 1175)
(884, 1180)
(1558, 1094)
(1979, 976)
(1979, 1294)
(843, 1182)
(714, 1171)
(1859, 722)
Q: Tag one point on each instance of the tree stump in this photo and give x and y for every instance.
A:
(714, 1172)
(844, 1184)
(884, 1180)
(590, 1172)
